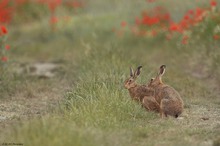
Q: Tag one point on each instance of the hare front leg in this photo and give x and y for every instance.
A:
(162, 114)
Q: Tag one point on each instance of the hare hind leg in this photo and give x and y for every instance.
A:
(151, 104)
(163, 108)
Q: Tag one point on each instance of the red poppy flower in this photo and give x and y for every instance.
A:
(7, 47)
(184, 24)
(123, 24)
(213, 3)
(137, 21)
(150, 1)
(216, 37)
(175, 27)
(185, 40)
(53, 4)
(4, 30)
(154, 20)
(186, 17)
(113, 29)
(4, 59)
(191, 12)
(166, 17)
(53, 20)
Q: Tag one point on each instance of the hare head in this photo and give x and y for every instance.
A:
(158, 80)
(130, 82)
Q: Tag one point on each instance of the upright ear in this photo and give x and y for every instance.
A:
(151, 80)
(131, 72)
(138, 71)
(161, 70)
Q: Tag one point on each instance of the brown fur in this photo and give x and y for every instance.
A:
(141, 93)
(169, 99)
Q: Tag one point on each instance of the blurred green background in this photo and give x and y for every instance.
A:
(83, 102)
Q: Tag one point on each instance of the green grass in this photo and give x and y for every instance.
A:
(96, 109)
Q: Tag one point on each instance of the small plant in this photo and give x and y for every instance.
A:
(3, 47)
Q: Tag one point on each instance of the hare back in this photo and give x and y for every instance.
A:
(139, 92)
(173, 95)
(167, 92)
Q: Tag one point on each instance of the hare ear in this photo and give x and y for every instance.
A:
(151, 80)
(138, 71)
(162, 70)
(131, 72)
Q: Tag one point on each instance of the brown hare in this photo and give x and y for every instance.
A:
(169, 99)
(141, 93)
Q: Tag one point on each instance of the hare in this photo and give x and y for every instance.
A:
(169, 99)
(141, 93)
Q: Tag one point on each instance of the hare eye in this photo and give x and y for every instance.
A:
(130, 81)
